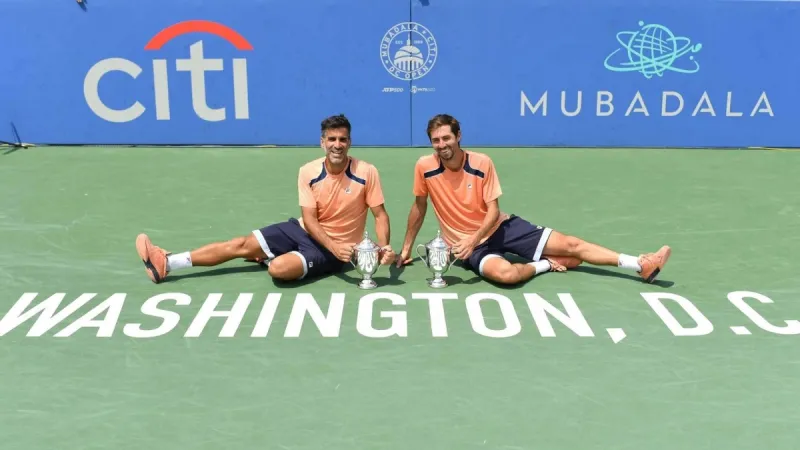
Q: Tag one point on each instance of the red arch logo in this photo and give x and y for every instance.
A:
(198, 26)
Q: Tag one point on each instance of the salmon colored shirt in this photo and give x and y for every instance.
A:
(459, 197)
(342, 200)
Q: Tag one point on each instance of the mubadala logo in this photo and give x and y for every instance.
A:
(408, 51)
(656, 53)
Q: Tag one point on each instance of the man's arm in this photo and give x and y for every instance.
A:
(382, 228)
(312, 226)
(375, 202)
(492, 214)
(311, 223)
(415, 219)
(417, 214)
(463, 249)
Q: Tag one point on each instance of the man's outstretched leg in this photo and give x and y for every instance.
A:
(159, 262)
(487, 259)
(284, 263)
(647, 265)
(500, 270)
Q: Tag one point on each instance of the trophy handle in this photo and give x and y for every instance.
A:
(453, 261)
(420, 255)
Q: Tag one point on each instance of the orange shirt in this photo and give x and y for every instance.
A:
(341, 200)
(459, 197)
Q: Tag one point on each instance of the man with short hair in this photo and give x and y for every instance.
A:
(464, 189)
(335, 193)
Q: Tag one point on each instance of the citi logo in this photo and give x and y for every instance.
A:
(197, 64)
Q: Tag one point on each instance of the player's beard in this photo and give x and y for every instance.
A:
(446, 153)
(336, 157)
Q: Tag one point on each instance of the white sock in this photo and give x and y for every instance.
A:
(541, 266)
(179, 261)
(629, 262)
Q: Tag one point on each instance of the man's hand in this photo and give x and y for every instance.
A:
(404, 258)
(386, 255)
(556, 266)
(463, 248)
(342, 252)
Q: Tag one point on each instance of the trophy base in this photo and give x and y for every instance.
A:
(367, 284)
(437, 283)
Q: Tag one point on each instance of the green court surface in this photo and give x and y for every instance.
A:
(603, 368)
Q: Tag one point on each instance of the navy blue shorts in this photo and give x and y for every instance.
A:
(289, 237)
(515, 235)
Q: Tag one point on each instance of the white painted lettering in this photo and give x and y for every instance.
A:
(704, 100)
(197, 65)
(656, 301)
(91, 90)
(398, 320)
(46, 311)
(728, 104)
(564, 104)
(264, 321)
(672, 104)
(767, 108)
(169, 319)
(664, 101)
(525, 103)
(240, 89)
(328, 325)
(436, 306)
(637, 99)
(161, 89)
(792, 327)
(573, 319)
(604, 98)
(112, 307)
(208, 310)
(510, 322)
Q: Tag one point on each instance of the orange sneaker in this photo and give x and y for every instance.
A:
(154, 258)
(653, 263)
(567, 261)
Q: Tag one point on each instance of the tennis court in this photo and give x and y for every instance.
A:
(576, 360)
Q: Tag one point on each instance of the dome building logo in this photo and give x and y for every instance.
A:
(408, 51)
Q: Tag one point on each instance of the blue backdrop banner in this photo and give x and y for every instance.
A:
(516, 73)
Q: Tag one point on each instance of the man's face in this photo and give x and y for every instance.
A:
(336, 143)
(445, 142)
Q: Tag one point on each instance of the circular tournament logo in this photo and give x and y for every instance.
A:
(408, 51)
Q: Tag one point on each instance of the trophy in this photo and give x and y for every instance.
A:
(366, 254)
(437, 261)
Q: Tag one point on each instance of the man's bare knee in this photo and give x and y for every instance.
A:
(563, 245)
(288, 267)
(246, 247)
(509, 275)
(501, 271)
(237, 244)
(574, 245)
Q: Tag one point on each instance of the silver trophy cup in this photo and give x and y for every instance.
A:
(366, 256)
(437, 259)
